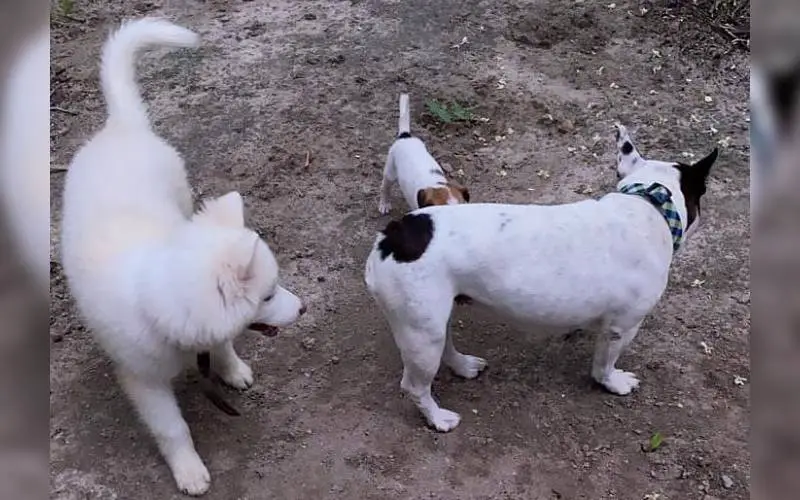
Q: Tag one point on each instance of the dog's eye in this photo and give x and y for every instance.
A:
(268, 298)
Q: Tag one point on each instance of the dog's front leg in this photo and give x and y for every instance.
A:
(611, 341)
(231, 369)
(156, 404)
(462, 365)
(422, 354)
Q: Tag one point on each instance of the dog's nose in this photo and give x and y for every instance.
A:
(303, 309)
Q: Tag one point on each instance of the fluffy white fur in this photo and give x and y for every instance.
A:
(592, 263)
(411, 166)
(25, 150)
(155, 282)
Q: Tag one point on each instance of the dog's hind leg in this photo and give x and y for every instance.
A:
(230, 368)
(611, 341)
(421, 351)
(462, 365)
(156, 404)
(389, 176)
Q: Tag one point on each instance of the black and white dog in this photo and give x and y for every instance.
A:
(596, 262)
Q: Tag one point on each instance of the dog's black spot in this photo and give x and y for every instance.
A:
(627, 148)
(462, 300)
(408, 238)
(693, 184)
(783, 94)
(405, 135)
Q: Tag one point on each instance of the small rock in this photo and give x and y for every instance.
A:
(337, 59)
(321, 279)
(727, 482)
(308, 343)
(309, 16)
(335, 360)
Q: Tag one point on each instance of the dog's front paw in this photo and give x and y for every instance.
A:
(444, 420)
(384, 207)
(620, 382)
(239, 376)
(191, 475)
(468, 366)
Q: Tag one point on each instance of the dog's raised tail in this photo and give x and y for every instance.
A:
(118, 64)
(404, 122)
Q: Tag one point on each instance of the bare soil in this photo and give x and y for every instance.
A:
(279, 81)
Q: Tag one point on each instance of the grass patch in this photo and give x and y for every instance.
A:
(447, 113)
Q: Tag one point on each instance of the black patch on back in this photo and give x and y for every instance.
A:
(504, 220)
(693, 184)
(627, 148)
(407, 239)
(405, 135)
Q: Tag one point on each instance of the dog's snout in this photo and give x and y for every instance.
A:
(303, 309)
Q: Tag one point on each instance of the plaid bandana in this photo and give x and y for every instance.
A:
(661, 198)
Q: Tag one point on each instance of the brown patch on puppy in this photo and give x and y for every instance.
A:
(432, 196)
(441, 195)
(459, 192)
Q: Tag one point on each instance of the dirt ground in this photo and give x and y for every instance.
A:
(276, 82)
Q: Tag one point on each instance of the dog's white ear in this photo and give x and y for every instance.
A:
(247, 269)
(227, 210)
(240, 267)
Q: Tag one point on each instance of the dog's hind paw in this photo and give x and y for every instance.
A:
(620, 382)
(191, 475)
(444, 420)
(240, 376)
(468, 366)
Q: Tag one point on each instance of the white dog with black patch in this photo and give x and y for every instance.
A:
(155, 282)
(596, 262)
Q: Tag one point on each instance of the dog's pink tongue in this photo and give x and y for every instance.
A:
(268, 330)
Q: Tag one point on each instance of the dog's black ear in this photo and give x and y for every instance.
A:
(424, 198)
(693, 183)
(465, 193)
(703, 167)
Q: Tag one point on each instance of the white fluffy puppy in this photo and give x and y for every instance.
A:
(422, 181)
(154, 281)
(602, 262)
(25, 154)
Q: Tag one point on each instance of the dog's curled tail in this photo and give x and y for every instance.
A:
(118, 64)
(404, 122)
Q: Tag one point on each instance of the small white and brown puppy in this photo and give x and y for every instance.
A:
(598, 262)
(421, 179)
(156, 283)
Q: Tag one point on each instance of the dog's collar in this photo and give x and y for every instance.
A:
(660, 197)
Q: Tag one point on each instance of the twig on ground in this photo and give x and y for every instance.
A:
(308, 159)
(62, 110)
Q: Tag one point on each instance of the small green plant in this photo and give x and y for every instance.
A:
(656, 441)
(66, 6)
(452, 113)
